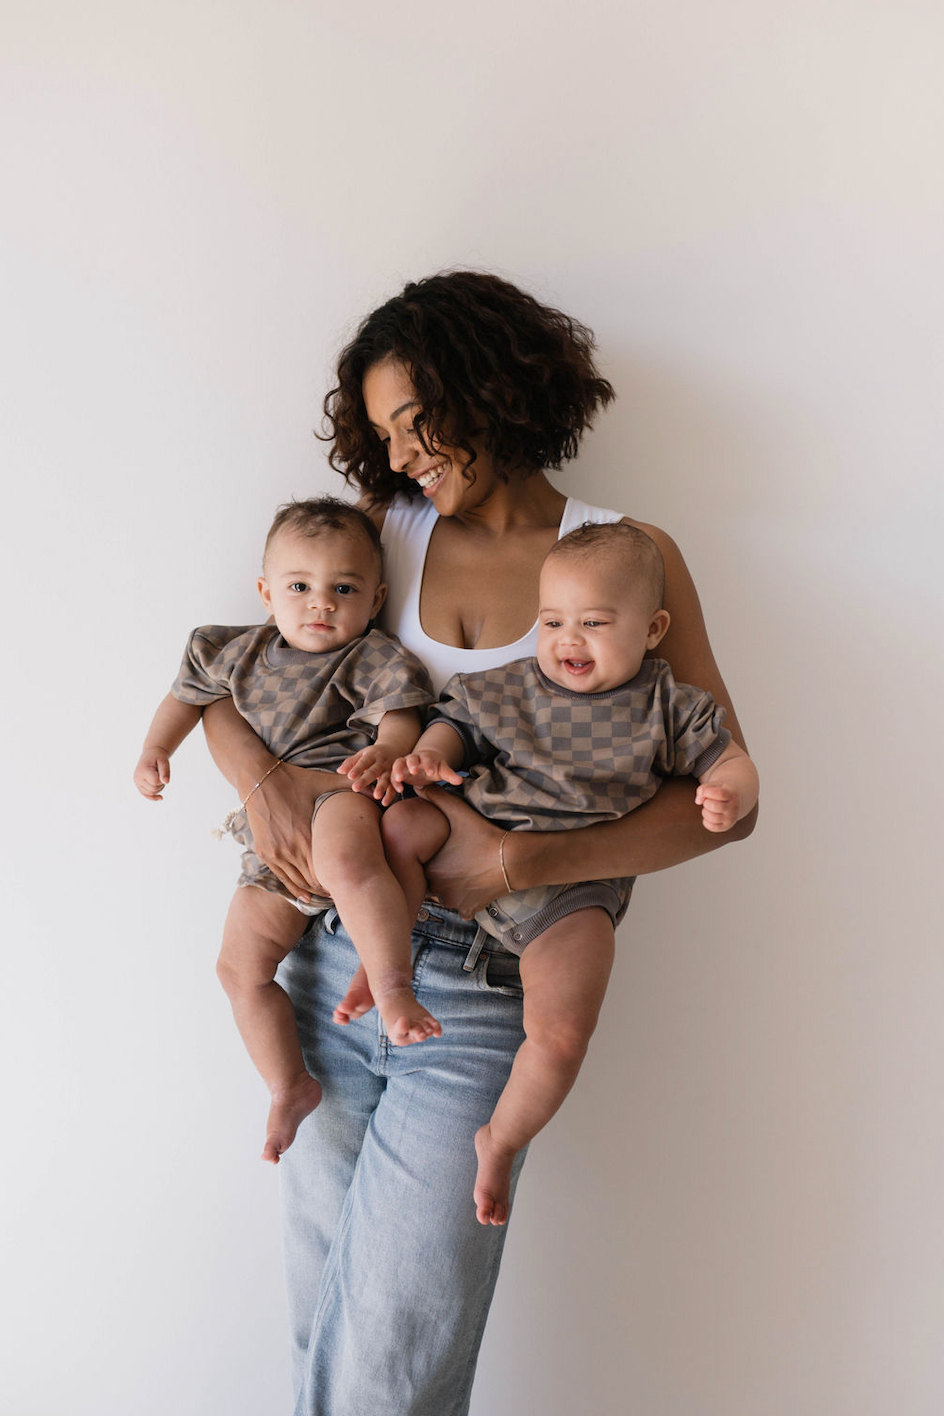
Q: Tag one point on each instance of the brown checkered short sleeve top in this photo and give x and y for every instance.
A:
(544, 758)
(313, 710)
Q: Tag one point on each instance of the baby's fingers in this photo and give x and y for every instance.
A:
(715, 818)
(151, 790)
(360, 770)
(716, 795)
(382, 786)
(405, 769)
(151, 777)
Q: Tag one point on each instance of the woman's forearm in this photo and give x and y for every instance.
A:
(278, 804)
(241, 756)
(666, 831)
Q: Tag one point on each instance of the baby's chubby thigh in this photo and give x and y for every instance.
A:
(261, 928)
(564, 973)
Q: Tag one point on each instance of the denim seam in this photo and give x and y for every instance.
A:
(419, 964)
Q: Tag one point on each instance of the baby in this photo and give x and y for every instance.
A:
(582, 734)
(322, 689)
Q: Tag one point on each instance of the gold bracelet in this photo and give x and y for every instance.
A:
(501, 862)
(220, 831)
(260, 781)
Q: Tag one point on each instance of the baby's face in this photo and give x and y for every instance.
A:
(593, 628)
(323, 590)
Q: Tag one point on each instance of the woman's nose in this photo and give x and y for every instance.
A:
(400, 450)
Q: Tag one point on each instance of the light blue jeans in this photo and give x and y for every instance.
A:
(389, 1275)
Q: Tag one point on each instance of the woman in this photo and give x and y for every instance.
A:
(451, 402)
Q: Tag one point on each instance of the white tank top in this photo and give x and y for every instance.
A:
(407, 529)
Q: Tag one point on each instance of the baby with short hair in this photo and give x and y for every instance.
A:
(324, 689)
(582, 733)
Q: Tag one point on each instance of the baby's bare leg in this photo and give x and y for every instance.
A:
(412, 832)
(261, 928)
(564, 973)
(348, 858)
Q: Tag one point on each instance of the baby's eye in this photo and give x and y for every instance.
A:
(298, 587)
(593, 624)
(552, 624)
(345, 589)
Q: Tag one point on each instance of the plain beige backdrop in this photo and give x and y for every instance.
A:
(739, 1211)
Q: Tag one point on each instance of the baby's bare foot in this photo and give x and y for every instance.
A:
(493, 1181)
(357, 1001)
(289, 1108)
(406, 1020)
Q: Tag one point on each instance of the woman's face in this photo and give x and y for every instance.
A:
(391, 404)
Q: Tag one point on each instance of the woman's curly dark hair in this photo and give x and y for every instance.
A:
(487, 362)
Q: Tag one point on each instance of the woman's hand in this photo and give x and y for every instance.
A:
(465, 874)
(280, 812)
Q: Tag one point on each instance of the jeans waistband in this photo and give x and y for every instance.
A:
(436, 922)
(442, 926)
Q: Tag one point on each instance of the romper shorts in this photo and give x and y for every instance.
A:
(515, 919)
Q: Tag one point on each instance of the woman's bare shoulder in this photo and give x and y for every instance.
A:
(678, 580)
(662, 538)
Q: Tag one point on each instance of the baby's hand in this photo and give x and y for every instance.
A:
(152, 773)
(418, 769)
(720, 806)
(369, 771)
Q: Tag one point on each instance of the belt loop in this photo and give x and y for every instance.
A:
(478, 944)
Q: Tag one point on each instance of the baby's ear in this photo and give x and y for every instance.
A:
(658, 626)
(262, 585)
(380, 594)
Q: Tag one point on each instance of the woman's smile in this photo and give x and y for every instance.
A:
(440, 472)
(430, 479)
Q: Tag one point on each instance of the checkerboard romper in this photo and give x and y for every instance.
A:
(545, 758)
(312, 710)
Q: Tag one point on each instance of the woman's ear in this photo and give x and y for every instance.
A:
(657, 628)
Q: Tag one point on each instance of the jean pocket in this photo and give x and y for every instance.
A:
(499, 973)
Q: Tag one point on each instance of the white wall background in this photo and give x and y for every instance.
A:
(739, 1213)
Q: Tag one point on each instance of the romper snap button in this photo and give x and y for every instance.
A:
(493, 911)
(422, 916)
(516, 935)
